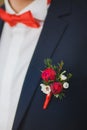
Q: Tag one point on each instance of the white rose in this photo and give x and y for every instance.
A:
(45, 88)
(66, 85)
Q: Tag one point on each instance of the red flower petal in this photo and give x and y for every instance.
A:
(48, 74)
(56, 87)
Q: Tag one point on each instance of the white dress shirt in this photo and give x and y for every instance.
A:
(17, 45)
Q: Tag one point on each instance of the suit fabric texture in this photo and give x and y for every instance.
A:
(64, 37)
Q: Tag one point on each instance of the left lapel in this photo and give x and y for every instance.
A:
(1, 22)
(51, 34)
(1, 26)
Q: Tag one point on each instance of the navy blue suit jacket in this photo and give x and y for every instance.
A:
(64, 37)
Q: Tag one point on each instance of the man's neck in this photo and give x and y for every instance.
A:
(18, 5)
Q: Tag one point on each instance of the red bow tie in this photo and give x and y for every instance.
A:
(48, 1)
(25, 18)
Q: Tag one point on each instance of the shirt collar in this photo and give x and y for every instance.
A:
(37, 7)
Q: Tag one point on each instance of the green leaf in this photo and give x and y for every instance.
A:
(61, 95)
(69, 76)
(60, 66)
(48, 62)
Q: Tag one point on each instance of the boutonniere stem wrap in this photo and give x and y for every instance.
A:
(54, 81)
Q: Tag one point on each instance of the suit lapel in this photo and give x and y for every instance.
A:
(1, 26)
(51, 34)
(1, 22)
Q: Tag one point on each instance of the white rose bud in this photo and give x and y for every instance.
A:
(63, 77)
(66, 85)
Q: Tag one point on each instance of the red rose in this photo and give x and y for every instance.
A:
(48, 74)
(56, 87)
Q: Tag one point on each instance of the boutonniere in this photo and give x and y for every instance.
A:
(55, 81)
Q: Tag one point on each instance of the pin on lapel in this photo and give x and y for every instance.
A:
(54, 81)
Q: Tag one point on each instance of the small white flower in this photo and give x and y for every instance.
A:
(45, 88)
(63, 77)
(66, 85)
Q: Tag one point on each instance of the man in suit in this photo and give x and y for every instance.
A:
(60, 33)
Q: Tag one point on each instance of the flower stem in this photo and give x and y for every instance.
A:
(47, 100)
